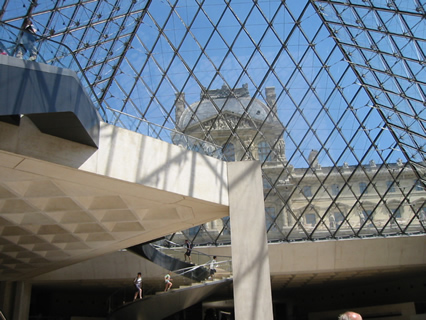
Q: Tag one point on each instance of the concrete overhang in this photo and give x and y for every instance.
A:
(63, 202)
(53, 98)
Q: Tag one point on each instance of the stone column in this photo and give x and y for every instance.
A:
(6, 298)
(250, 260)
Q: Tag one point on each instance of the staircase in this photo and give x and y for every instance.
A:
(164, 304)
(191, 284)
(171, 260)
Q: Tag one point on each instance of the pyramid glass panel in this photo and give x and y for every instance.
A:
(328, 95)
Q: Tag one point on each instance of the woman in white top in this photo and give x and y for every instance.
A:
(168, 282)
(138, 284)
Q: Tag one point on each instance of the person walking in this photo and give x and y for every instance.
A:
(189, 247)
(27, 40)
(212, 267)
(168, 280)
(138, 284)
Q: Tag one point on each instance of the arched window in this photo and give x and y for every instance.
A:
(307, 191)
(264, 151)
(366, 215)
(391, 186)
(229, 152)
(419, 185)
(422, 216)
(395, 214)
(338, 218)
(266, 184)
(363, 187)
(335, 189)
(311, 219)
(271, 216)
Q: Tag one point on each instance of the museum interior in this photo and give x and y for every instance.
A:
(133, 133)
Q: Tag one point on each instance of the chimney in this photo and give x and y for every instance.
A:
(313, 159)
(271, 98)
(179, 106)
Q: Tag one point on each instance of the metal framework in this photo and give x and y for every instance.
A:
(349, 80)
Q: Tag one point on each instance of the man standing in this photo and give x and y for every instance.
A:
(188, 246)
(212, 267)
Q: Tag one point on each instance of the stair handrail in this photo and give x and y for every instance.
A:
(182, 249)
(125, 295)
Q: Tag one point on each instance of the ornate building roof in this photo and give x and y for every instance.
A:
(236, 102)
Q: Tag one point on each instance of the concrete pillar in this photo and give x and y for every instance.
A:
(15, 298)
(21, 309)
(250, 260)
(7, 292)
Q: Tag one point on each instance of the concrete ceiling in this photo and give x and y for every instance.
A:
(52, 215)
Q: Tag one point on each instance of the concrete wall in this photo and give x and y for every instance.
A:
(286, 258)
(341, 255)
(346, 255)
(133, 157)
(127, 156)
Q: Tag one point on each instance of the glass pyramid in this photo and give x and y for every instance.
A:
(340, 86)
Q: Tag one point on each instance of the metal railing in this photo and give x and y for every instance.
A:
(155, 284)
(198, 258)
